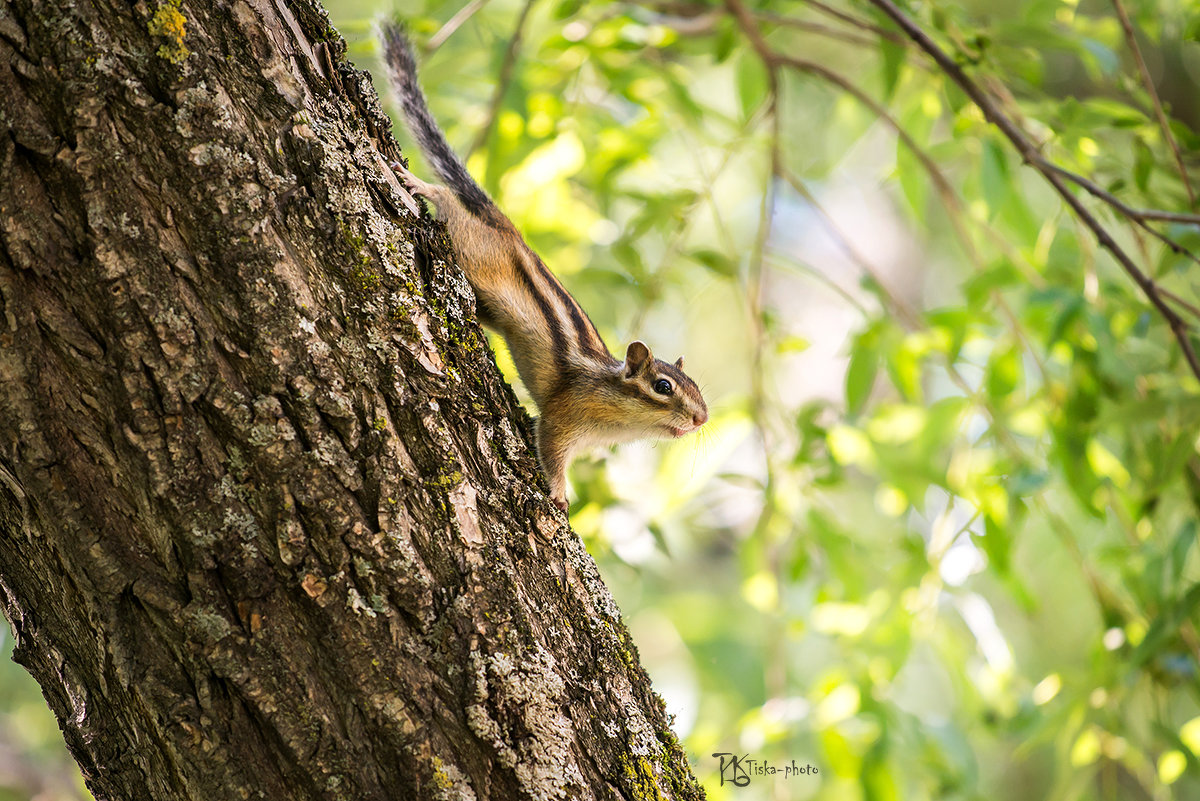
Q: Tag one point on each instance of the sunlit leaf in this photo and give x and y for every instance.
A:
(751, 78)
(860, 377)
(716, 261)
(995, 176)
(1004, 372)
(894, 56)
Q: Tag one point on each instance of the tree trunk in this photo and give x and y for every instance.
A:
(269, 523)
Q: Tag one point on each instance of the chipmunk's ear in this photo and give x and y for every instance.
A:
(637, 358)
(679, 362)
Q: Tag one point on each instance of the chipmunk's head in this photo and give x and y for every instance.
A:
(667, 402)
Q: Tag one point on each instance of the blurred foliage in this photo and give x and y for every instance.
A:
(34, 763)
(939, 539)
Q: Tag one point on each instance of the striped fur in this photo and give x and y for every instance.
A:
(585, 395)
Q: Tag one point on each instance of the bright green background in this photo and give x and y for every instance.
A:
(939, 539)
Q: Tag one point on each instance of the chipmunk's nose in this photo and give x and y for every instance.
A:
(700, 418)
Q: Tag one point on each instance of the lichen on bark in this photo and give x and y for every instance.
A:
(169, 23)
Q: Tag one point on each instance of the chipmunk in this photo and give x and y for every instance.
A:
(585, 395)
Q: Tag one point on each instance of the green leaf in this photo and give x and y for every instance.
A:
(726, 41)
(567, 8)
(716, 261)
(1097, 111)
(957, 323)
(1004, 372)
(999, 274)
(1165, 627)
(1180, 547)
(903, 364)
(995, 176)
(997, 544)
(630, 257)
(1143, 164)
(660, 538)
(684, 102)
(751, 78)
(1104, 60)
(1028, 482)
(860, 376)
(914, 181)
(792, 344)
(894, 56)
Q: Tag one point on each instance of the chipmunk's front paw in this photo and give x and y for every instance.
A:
(562, 504)
(411, 182)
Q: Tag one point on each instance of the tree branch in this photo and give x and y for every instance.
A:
(453, 24)
(856, 22)
(1030, 154)
(504, 79)
(1148, 82)
(1138, 216)
(749, 26)
(850, 37)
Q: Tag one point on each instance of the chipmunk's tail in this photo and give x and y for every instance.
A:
(403, 68)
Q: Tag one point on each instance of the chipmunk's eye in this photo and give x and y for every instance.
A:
(663, 387)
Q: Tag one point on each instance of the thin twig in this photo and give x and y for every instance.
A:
(705, 24)
(1169, 216)
(1171, 296)
(844, 244)
(773, 60)
(701, 25)
(454, 23)
(1138, 217)
(746, 22)
(697, 19)
(705, 195)
(935, 172)
(954, 212)
(1029, 152)
(1101, 592)
(1148, 82)
(776, 677)
(787, 261)
(857, 22)
(503, 79)
(815, 27)
(756, 275)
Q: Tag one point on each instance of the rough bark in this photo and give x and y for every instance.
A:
(269, 523)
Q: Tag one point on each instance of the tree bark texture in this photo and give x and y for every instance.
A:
(269, 522)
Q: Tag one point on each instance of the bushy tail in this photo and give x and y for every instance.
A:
(403, 68)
